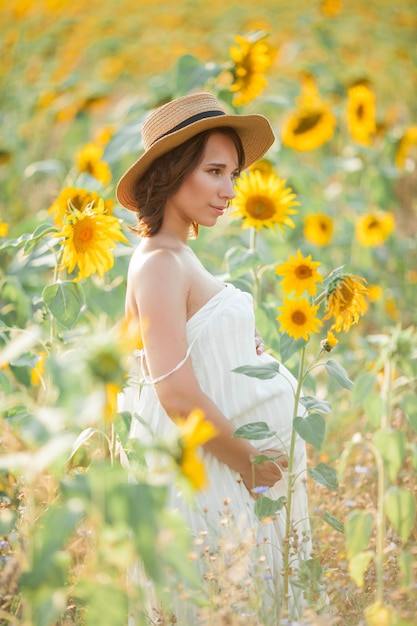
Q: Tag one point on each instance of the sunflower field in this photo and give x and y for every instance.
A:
(322, 232)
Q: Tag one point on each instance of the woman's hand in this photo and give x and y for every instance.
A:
(259, 344)
(265, 474)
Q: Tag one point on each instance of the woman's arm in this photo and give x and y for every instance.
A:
(161, 292)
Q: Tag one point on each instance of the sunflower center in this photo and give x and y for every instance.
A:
(89, 167)
(346, 296)
(323, 226)
(77, 202)
(260, 207)
(303, 272)
(373, 224)
(360, 111)
(299, 318)
(83, 234)
(307, 122)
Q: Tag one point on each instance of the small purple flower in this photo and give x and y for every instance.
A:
(260, 489)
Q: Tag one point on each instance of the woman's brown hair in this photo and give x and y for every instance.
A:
(165, 176)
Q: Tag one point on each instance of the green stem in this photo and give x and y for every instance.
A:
(380, 530)
(113, 444)
(53, 331)
(290, 488)
(386, 393)
(313, 364)
(380, 519)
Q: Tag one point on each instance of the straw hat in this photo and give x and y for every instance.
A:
(173, 123)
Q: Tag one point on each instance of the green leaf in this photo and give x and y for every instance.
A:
(265, 371)
(22, 374)
(127, 140)
(5, 383)
(65, 301)
(48, 605)
(289, 346)
(30, 429)
(313, 569)
(311, 428)
(15, 243)
(191, 74)
(41, 231)
(413, 450)
(179, 545)
(106, 604)
(406, 562)
(324, 475)
(254, 430)
(409, 405)
(240, 260)
(266, 507)
(364, 384)
(358, 565)
(263, 458)
(27, 359)
(122, 423)
(333, 521)
(391, 444)
(400, 508)
(50, 167)
(358, 530)
(338, 373)
(322, 406)
(374, 406)
(82, 438)
(49, 565)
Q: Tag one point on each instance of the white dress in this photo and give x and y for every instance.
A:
(221, 338)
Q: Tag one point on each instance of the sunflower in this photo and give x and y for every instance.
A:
(73, 198)
(300, 275)
(104, 134)
(345, 301)
(298, 318)
(330, 342)
(391, 309)
(407, 142)
(263, 165)
(308, 129)
(88, 239)
(5, 157)
(312, 124)
(331, 8)
(4, 229)
(89, 161)
(252, 58)
(130, 333)
(373, 229)
(38, 370)
(318, 229)
(263, 201)
(194, 432)
(111, 393)
(375, 293)
(361, 113)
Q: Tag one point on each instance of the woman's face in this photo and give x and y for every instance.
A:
(205, 193)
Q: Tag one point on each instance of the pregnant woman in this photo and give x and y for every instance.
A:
(197, 330)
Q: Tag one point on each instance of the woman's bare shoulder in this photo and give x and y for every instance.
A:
(157, 278)
(153, 259)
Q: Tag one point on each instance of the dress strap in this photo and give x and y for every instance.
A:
(148, 380)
